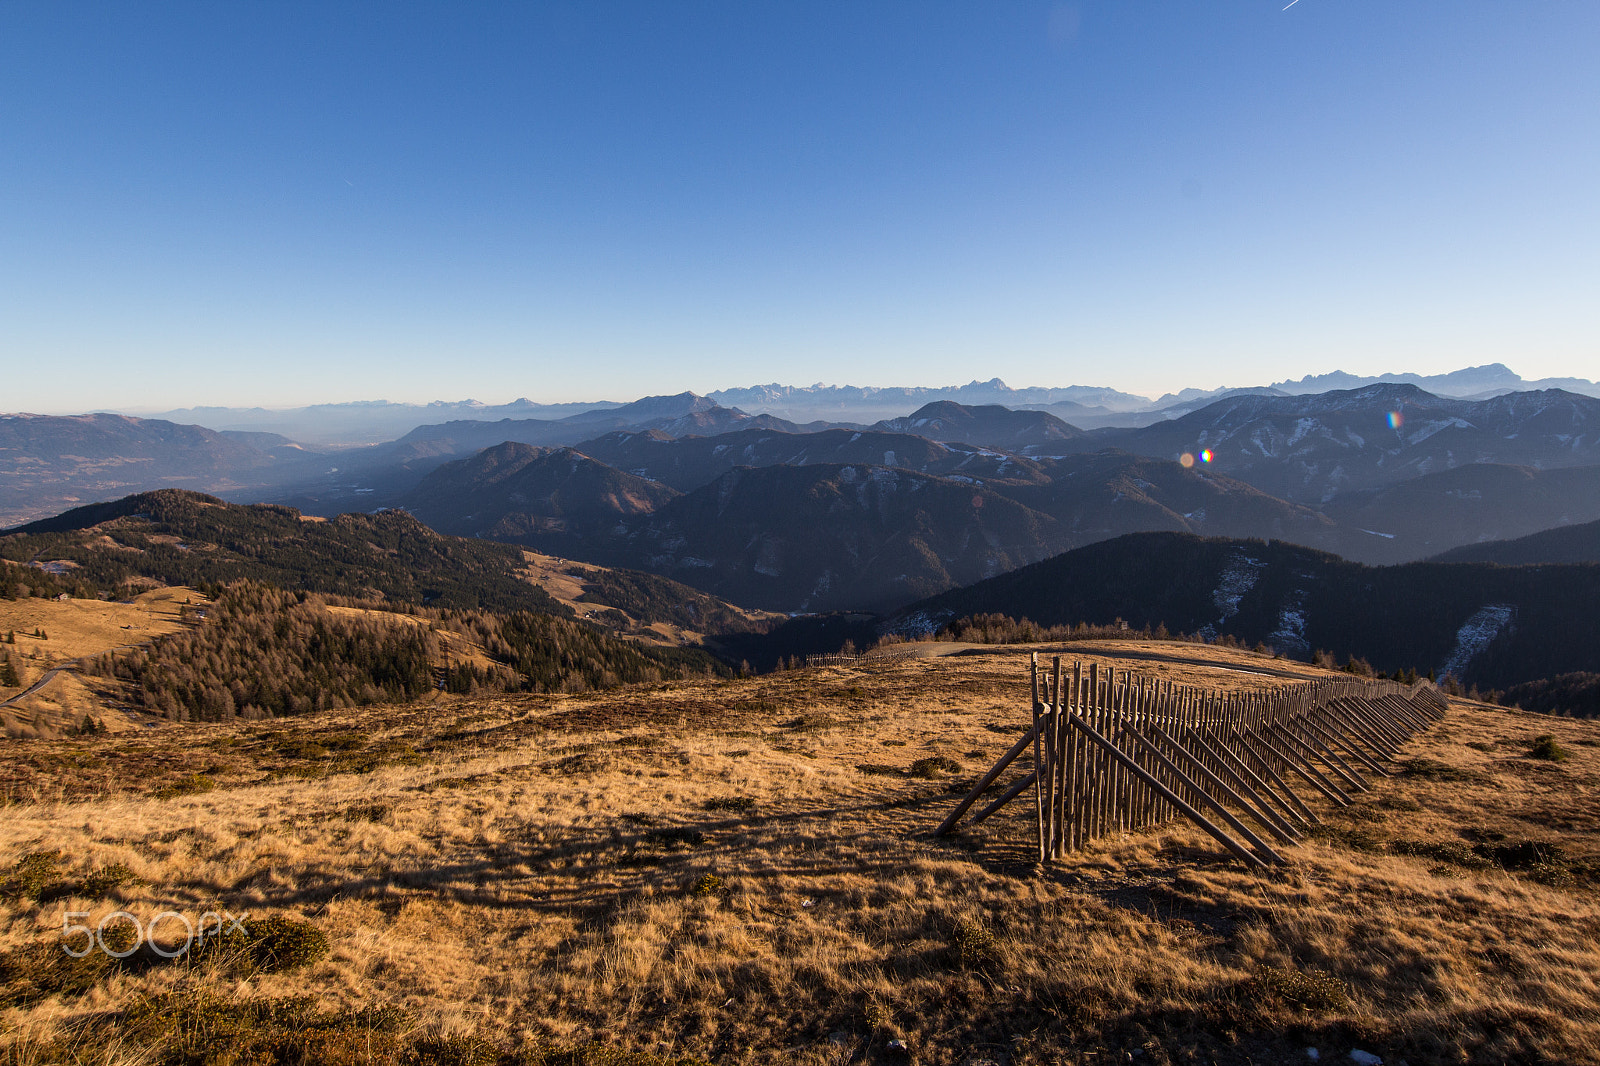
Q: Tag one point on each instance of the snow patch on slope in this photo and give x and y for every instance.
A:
(920, 623)
(1475, 634)
(1303, 428)
(1238, 578)
(1291, 632)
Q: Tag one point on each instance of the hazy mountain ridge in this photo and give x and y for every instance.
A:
(55, 462)
(1306, 449)
(1568, 544)
(686, 463)
(1310, 448)
(385, 475)
(868, 403)
(1476, 382)
(1490, 625)
(1075, 499)
(521, 493)
(1368, 460)
(674, 416)
(1455, 509)
(1092, 407)
(989, 426)
(51, 462)
(366, 421)
(375, 421)
(802, 532)
(823, 537)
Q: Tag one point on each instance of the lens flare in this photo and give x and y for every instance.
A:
(1205, 456)
(1396, 419)
(1186, 460)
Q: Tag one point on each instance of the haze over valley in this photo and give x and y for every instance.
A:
(769, 515)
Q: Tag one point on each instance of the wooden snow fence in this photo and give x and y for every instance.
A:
(1113, 752)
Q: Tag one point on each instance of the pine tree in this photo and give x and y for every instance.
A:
(8, 674)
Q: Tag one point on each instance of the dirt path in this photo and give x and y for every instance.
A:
(49, 675)
(1086, 648)
(939, 649)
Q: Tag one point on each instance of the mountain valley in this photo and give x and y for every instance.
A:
(774, 516)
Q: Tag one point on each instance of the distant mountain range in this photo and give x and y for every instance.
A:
(553, 498)
(51, 463)
(1084, 406)
(671, 416)
(1304, 449)
(366, 421)
(1311, 448)
(1488, 625)
(1457, 512)
(1071, 500)
(1472, 383)
(796, 516)
(775, 520)
(1381, 474)
(1088, 407)
(373, 422)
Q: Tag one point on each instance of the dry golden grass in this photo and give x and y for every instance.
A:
(565, 580)
(704, 870)
(76, 629)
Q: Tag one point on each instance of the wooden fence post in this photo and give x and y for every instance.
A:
(1119, 752)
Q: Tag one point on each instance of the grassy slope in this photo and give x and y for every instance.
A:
(76, 629)
(521, 868)
(650, 608)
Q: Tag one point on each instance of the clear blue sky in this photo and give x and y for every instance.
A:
(243, 203)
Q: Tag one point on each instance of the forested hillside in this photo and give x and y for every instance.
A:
(1491, 626)
(1575, 695)
(1565, 544)
(265, 653)
(172, 537)
(269, 645)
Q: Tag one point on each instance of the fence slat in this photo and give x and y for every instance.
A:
(1118, 752)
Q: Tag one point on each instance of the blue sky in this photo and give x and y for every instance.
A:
(253, 203)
